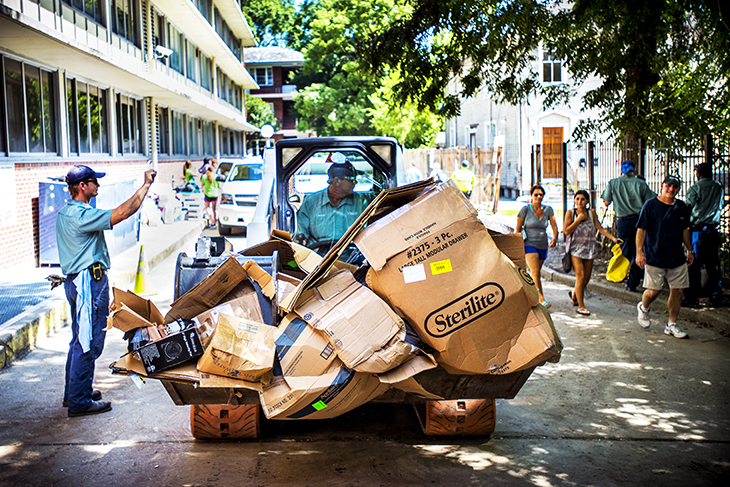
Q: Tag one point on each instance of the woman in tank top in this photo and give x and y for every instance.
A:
(580, 228)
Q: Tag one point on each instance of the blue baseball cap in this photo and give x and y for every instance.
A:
(82, 173)
(627, 167)
(346, 170)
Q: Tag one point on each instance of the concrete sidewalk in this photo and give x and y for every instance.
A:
(717, 318)
(19, 334)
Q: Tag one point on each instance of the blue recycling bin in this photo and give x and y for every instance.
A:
(52, 195)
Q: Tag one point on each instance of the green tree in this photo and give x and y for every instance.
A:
(341, 98)
(656, 59)
(271, 21)
(259, 113)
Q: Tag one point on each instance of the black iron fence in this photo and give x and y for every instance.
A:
(591, 165)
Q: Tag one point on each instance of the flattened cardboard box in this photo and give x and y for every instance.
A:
(129, 311)
(247, 306)
(240, 349)
(185, 372)
(217, 287)
(446, 275)
(367, 335)
(338, 390)
(301, 350)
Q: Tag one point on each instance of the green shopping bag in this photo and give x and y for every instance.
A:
(618, 266)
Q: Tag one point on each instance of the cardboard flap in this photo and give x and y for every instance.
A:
(403, 228)
(129, 311)
(411, 386)
(208, 292)
(367, 335)
(262, 277)
(417, 364)
(383, 203)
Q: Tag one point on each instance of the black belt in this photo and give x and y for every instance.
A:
(627, 217)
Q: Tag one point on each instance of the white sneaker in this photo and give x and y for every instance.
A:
(674, 330)
(643, 316)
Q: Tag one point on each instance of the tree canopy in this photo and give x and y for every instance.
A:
(335, 95)
(663, 65)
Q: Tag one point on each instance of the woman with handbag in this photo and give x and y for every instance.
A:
(580, 226)
(534, 219)
(211, 192)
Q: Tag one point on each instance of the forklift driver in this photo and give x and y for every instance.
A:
(326, 215)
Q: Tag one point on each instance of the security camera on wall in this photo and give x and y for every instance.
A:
(162, 51)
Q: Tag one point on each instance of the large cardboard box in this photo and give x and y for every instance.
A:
(367, 335)
(240, 349)
(436, 264)
(129, 311)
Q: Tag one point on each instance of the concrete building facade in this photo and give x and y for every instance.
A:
(518, 128)
(113, 84)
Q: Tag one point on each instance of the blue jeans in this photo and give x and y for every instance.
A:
(80, 365)
(706, 246)
(626, 230)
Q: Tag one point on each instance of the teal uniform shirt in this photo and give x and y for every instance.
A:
(80, 236)
(628, 195)
(318, 220)
(706, 199)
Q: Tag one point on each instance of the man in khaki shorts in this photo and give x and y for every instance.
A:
(661, 232)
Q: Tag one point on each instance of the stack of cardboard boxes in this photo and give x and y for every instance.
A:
(440, 290)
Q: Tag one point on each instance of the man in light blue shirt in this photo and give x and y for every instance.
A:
(326, 215)
(84, 259)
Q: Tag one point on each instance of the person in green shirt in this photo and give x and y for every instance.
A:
(628, 193)
(705, 199)
(325, 216)
(464, 179)
(211, 192)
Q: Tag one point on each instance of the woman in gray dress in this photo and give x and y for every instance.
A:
(580, 228)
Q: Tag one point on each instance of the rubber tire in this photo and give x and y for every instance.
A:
(225, 421)
(458, 417)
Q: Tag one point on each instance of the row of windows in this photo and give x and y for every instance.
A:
(229, 91)
(29, 120)
(227, 35)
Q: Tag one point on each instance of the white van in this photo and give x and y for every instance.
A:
(240, 188)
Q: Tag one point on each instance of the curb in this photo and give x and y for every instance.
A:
(122, 279)
(20, 335)
(704, 317)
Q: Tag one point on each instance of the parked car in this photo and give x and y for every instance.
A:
(240, 188)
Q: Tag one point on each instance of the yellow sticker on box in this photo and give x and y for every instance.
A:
(440, 267)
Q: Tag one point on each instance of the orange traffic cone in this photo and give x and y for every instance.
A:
(140, 280)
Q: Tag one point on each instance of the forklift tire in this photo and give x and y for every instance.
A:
(225, 421)
(458, 417)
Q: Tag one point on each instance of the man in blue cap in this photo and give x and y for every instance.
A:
(84, 259)
(326, 215)
(628, 193)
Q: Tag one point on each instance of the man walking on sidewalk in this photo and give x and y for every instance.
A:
(84, 259)
(662, 229)
(705, 200)
(628, 194)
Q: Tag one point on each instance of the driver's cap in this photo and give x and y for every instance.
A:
(346, 170)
